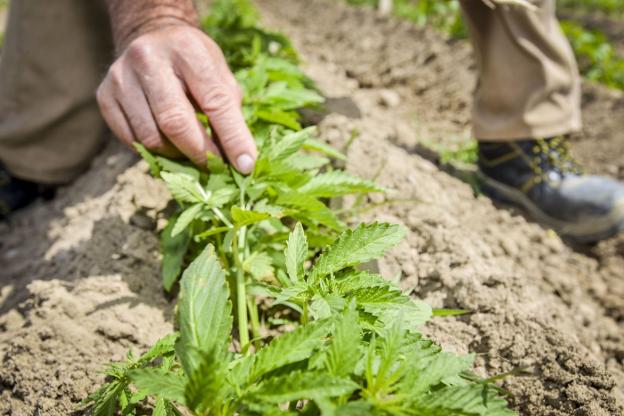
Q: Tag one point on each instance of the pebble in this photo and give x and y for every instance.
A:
(389, 98)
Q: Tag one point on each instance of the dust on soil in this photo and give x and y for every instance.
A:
(80, 278)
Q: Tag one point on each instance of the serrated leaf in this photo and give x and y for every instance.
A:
(324, 148)
(344, 351)
(474, 399)
(173, 250)
(306, 162)
(284, 118)
(158, 382)
(239, 370)
(259, 265)
(105, 400)
(243, 217)
(300, 201)
(348, 282)
(162, 408)
(222, 196)
(353, 247)
(389, 305)
(301, 386)
(338, 183)
(289, 348)
(326, 305)
(205, 386)
(288, 145)
(149, 158)
(186, 217)
(204, 310)
(311, 209)
(296, 253)
(427, 370)
(280, 95)
(319, 307)
(356, 408)
(177, 167)
(292, 293)
(184, 188)
(162, 347)
(218, 181)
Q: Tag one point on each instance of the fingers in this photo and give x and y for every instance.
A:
(175, 115)
(150, 92)
(125, 110)
(138, 113)
(112, 114)
(217, 94)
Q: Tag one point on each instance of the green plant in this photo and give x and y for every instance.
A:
(605, 6)
(598, 59)
(356, 352)
(246, 218)
(443, 15)
(270, 262)
(463, 153)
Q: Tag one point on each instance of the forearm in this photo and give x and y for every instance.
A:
(132, 18)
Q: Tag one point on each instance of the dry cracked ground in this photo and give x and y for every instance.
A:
(79, 280)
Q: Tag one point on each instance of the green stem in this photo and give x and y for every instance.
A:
(255, 322)
(220, 215)
(241, 296)
(304, 315)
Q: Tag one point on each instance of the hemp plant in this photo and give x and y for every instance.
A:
(246, 218)
(356, 352)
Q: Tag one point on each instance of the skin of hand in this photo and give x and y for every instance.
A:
(152, 91)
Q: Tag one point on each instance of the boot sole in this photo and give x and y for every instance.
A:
(584, 233)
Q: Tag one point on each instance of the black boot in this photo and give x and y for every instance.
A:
(540, 176)
(17, 193)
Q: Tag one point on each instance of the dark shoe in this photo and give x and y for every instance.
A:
(540, 176)
(17, 193)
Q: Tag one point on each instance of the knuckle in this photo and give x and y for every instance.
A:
(173, 123)
(140, 52)
(151, 141)
(216, 100)
(115, 76)
(143, 132)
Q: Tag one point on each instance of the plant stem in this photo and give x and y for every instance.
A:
(221, 217)
(241, 295)
(304, 315)
(255, 322)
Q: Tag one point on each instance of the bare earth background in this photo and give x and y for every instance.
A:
(79, 282)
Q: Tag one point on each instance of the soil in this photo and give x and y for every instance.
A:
(79, 283)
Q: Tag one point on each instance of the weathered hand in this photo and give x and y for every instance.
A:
(150, 94)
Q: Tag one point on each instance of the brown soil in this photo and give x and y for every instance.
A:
(79, 280)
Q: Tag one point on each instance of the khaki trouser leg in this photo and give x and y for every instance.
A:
(54, 56)
(528, 85)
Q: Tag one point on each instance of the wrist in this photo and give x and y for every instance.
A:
(131, 19)
(151, 25)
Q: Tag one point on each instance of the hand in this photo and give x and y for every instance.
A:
(150, 94)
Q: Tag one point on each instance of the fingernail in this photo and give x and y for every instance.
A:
(245, 163)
